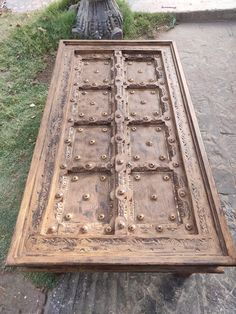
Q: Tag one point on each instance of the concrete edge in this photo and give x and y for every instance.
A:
(204, 16)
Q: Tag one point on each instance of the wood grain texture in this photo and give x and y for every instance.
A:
(119, 177)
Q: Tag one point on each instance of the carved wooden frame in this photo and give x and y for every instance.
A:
(211, 248)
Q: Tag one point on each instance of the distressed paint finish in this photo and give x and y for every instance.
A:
(119, 177)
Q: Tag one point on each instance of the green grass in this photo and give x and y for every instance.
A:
(22, 56)
(27, 42)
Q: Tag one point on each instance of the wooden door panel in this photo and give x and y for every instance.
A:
(144, 103)
(119, 176)
(91, 144)
(148, 144)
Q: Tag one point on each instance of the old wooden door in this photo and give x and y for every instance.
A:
(119, 178)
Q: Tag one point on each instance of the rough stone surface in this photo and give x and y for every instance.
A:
(17, 295)
(181, 5)
(208, 55)
(26, 5)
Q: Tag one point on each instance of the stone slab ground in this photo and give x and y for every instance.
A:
(181, 5)
(208, 55)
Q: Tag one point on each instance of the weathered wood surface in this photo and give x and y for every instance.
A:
(119, 174)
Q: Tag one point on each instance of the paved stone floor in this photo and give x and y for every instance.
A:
(26, 5)
(181, 5)
(208, 55)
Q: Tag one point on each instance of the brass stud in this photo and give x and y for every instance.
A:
(92, 103)
(72, 100)
(67, 141)
(80, 130)
(121, 225)
(84, 229)
(188, 227)
(84, 93)
(162, 157)
(105, 81)
(52, 229)
(59, 195)
(86, 63)
(104, 157)
(167, 118)
(86, 81)
(133, 128)
(106, 62)
(153, 92)
(156, 113)
(131, 228)
(151, 80)
(143, 102)
(75, 178)
(104, 114)
(158, 129)
(137, 177)
(154, 197)
(92, 142)
(142, 83)
(140, 217)
(96, 71)
(171, 140)
(130, 63)
(77, 157)
(68, 216)
(105, 93)
(149, 63)
(81, 114)
(176, 164)
(149, 143)
(75, 84)
(133, 114)
(94, 84)
(140, 71)
(86, 196)
(104, 129)
(63, 166)
(121, 192)
(92, 119)
(131, 92)
(146, 118)
(118, 115)
(172, 217)
(120, 161)
(136, 157)
(88, 166)
(103, 178)
(108, 229)
(182, 193)
(101, 217)
(159, 228)
(70, 120)
(166, 178)
(151, 165)
(130, 80)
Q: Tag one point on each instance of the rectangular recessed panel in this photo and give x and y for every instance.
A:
(119, 178)
(82, 205)
(144, 103)
(149, 144)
